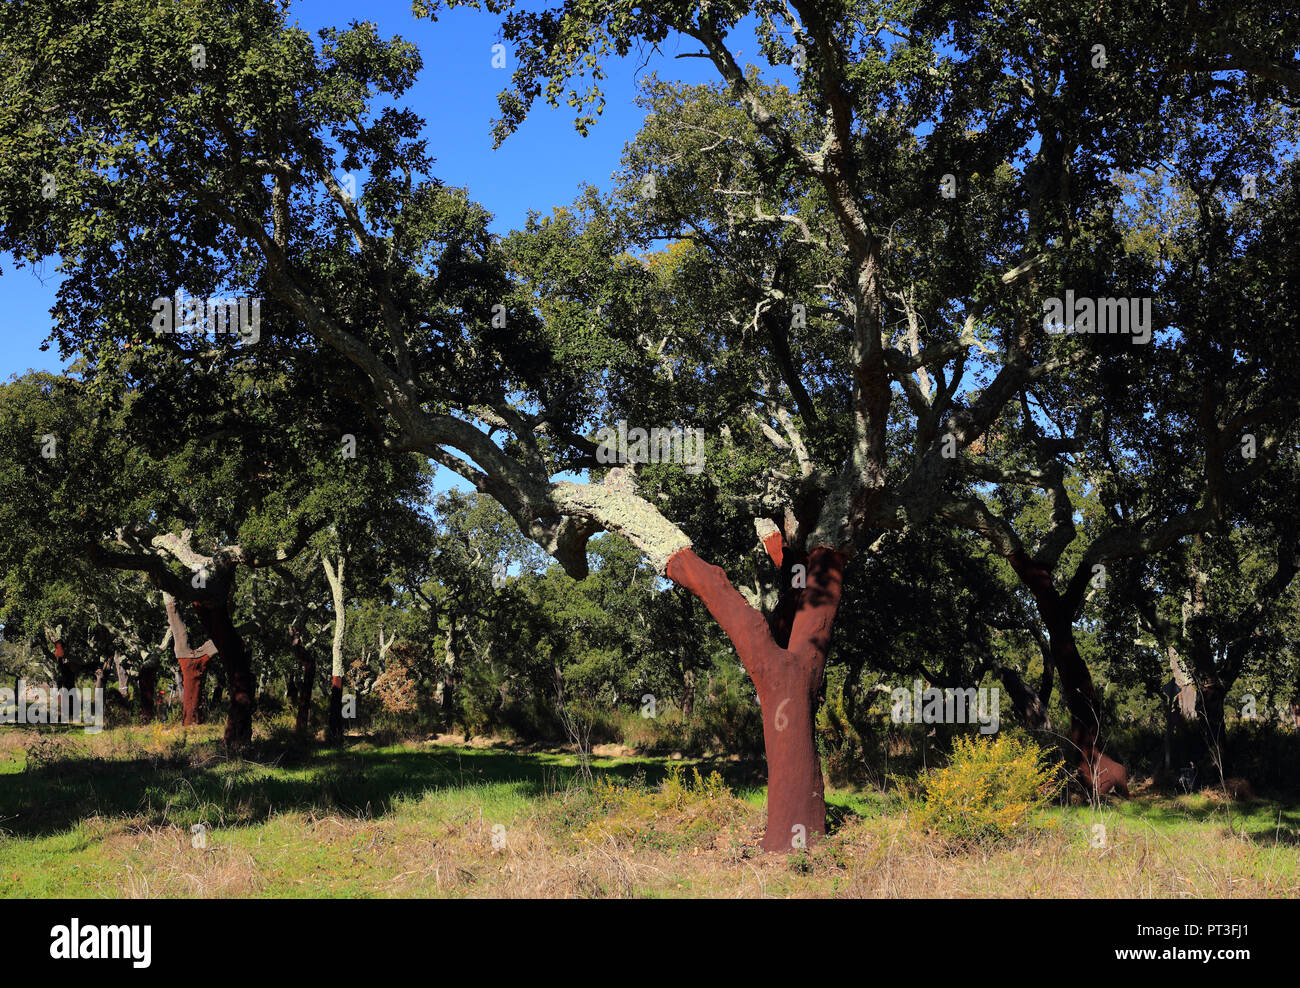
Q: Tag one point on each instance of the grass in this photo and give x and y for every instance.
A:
(112, 815)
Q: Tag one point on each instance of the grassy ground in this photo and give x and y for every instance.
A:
(114, 815)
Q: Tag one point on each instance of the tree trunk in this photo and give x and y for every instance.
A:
(796, 806)
(192, 664)
(688, 694)
(65, 669)
(147, 688)
(788, 680)
(119, 663)
(215, 616)
(307, 667)
(1028, 705)
(334, 725)
(1098, 772)
(1211, 726)
(193, 668)
(446, 692)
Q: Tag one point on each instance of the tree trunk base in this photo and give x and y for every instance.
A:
(334, 728)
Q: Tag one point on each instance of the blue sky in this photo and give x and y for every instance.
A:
(540, 167)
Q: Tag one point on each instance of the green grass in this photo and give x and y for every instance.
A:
(111, 815)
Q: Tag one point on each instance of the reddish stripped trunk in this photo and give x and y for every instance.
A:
(239, 672)
(65, 670)
(334, 728)
(1097, 770)
(193, 669)
(788, 680)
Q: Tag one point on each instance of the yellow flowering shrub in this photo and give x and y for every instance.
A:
(991, 790)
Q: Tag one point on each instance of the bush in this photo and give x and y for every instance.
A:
(990, 791)
(680, 811)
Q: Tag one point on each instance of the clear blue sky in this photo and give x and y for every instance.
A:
(539, 167)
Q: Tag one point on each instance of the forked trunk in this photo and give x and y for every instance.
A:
(786, 659)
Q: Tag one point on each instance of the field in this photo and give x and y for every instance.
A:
(160, 812)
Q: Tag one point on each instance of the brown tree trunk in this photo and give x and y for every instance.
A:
(147, 688)
(334, 724)
(193, 668)
(191, 665)
(788, 680)
(1097, 771)
(1212, 726)
(1028, 705)
(307, 666)
(65, 669)
(215, 616)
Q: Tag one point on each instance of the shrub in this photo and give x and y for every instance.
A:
(990, 791)
(680, 811)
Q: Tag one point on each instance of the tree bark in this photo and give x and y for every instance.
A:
(788, 680)
(65, 669)
(307, 667)
(147, 686)
(1028, 704)
(193, 664)
(334, 724)
(1211, 725)
(1097, 771)
(215, 616)
(193, 669)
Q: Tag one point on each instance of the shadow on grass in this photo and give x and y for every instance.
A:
(1263, 821)
(358, 780)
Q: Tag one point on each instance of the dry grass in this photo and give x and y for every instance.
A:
(492, 837)
(454, 856)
